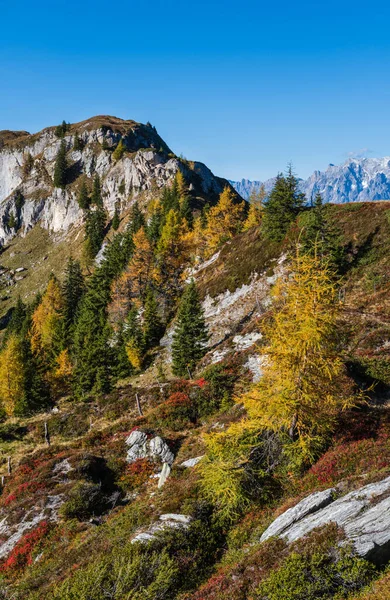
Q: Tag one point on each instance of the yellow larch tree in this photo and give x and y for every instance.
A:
(47, 319)
(304, 385)
(223, 220)
(256, 207)
(172, 252)
(11, 374)
(303, 389)
(141, 268)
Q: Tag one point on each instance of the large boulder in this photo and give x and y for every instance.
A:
(364, 514)
(140, 446)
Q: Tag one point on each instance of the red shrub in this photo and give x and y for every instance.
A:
(21, 555)
(22, 491)
(137, 473)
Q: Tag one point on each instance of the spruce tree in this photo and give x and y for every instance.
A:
(73, 289)
(116, 218)
(155, 226)
(137, 219)
(92, 354)
(319, 236)
(153, 327)
(83, 196)
(283, 205)
(96, 196)
(78, 143)
(61, 167)
(94, 231)
(190, 336)
(17, 318)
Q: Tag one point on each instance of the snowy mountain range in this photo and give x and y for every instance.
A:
(357, 180)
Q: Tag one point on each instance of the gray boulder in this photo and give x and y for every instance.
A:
(364, 515)
(142, 447)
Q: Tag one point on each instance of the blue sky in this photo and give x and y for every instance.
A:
(243, 86)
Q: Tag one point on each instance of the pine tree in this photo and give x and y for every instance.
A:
(190, 336)
(116, 218)
(155, 225)
(83, 196)
(61, 167)
(96, 196)
(152, 324)
(283, 206)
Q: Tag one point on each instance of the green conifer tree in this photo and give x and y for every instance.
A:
(73, 289)
(319, 236)
(96, 196)
(154, 226)
(78, 143)
(83, 196)
(190, 336)
(18, 316)
(92, 354)
(61, 167)
(116, 218)
(152, 326)
(94, 231)
(283, 205)
(137, 219)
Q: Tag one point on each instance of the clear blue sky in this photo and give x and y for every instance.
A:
(243, 86)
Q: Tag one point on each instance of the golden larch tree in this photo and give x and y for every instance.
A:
(304, 384)
(11, 374)
(223, 220)
(47, 319)
(256, 207)
(141, 269)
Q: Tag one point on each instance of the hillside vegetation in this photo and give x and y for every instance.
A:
(163, 404)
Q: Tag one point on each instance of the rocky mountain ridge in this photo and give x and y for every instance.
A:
(356, 180)
(27, 167)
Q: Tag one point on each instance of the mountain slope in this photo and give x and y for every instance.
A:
(41, 225)
(357, 180)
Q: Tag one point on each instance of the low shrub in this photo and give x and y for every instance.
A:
(176, 413)
(137, 473)
(317, 568)
(84, 500)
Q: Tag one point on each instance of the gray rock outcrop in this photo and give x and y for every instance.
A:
(167, 521)
(142, 447)
(363, 514)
